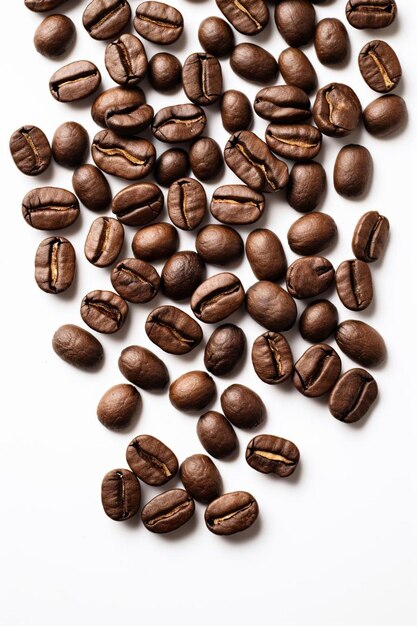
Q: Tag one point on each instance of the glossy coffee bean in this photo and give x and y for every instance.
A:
(131, 159)
(155, 242)
(236, 111)
(187, 203)
(354, 284)
(272, 455)
(77, 346)
(192, 391)
(353, 395)
(309, 276)
(371, 13)
(55, 265)
(201, 478)
(181, 274)
(120, 494)
(385, 115)
(266, 255)
(352, 171)
(151, 460)
(272, 358)
(122, 110)
(237, 204)
(143, 368)
(69, 144)
(215, 36)
(217, 297)
(337, 110)
(370, 237)
(306, 186)
(171, 165)
(219, 245)
(297, 70)
(39, 6)
(168, 511)
(331, 41)
(104, 311)
(271, 306)
(249, 18)
(105, 19)
(202, 78)
(282, 104)
(104, 241)
(173, 330)
(138, 204)
(164, 72)
(216, 434)
(178, 123)
(299, 142)
(224, 349)
(295, 20)
(50, 208)
(379, 66)
(30, 150)
(118, 406)
(75, 81)
(92, 187)
(126, 60)
(317, 370)
(54, 35)
(242, 406)
(312, 233)
(231, 513)
(360, 342)
(206, 158)
(318, 321)
(135, 280)
(254, 63)
(158, 22)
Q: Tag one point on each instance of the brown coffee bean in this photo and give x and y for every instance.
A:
(126, 60)
(151, 460)
(171, 165)
(317, 370)
(30, 150)
(74, 81)
(173, 330)
(282, 104)
(69, 144)
(206, 158)
(164, 72)
(299, 142)
(371, 13)
(118, 406)
(237, 204)
(379, 66)
(104, 241)
(337, 110)
(271, 306)
(178, 123)
(353, 395)
(215, 36)
(105, 19)
(55, 265)
(123, 110)
(77, 346)
(310, 276)
(252, 62)
(120, 494)
(236, 111)
(312, 233)
(224, 349)
(217, 297)
(242, 406)
(50, 208)
(297, 70)
(92, 187)
(168, 511)
(202, 78)
(272, 358)
(219, 244)
(306, 186)
(104, 311)
(216, 434)
(158, 22)
(54, 35)
(266, 255)
(370, 237)
(385, 115)
(352, 171)
(201, 478)
(138, 204)
(231, 513)
(318, 321)
(295, 20)
(331, 41)
(360, 342)
(131, 159)
(249, 18)
(155, 242)
(354, 284)
(135, 280)
(187, 203)
(182, 274)
(39, 6)
(272, 455)
(143, 368)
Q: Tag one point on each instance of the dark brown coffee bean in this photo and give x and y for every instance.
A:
(92, 187)
(131, 159)
(353, 395)
(206, 158)
(126, 60)
(317, 371)
(77, 346)
(192, 391)
(282, 104)
(312, 233)
(306, 186)
(201, 478)
(104, 311)
(215, 36)
(178, 123)
(352, 171)
(331, 41)
(236, 111)
(155, 242)
(202, 78)
(171, 165)
(158, 22)
(271, 306)
(164, 72)
(105, 19)
(354, 284)
(272, 455)
(266, 255)
(123, 110)
(39, 6)
(168, 511)
(54, 35)
(371, 13)
(242, 406)
(75, 81)
(219, 244)
(272, 358)
(337, 110)
(385, 115)
(237, 204)
(120, 494)
(216, 434)
(217, 297)
(118, 406)
(55, 264)
(104, 241)
(254, 63)
(173, 330)
(30, 150)
(318, 321)
(297, 70)
(370, 237)
(135, 280)
(360, 342)
(231, 513)
(50, 208)
(182, 274)
(379, 66)
(187, 203)
(69, 144)
(138, 204)
(310, 276)
(143, 368)
(224, 349)
(249, 17)
(151, 460)
(295, 20)
(299, 142)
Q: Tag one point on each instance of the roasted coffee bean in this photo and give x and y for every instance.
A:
(242, 406)
(215, 36)
(164, 72)
(361, 343)
(231, 513)
(92, 187)
(54, 35)
(306, 186)
(249, 17)
(105, 19)
(254, 63)
(187, 203)
(104, 241)
(282, 104)
(126, 60)
(337, 110)
(310, 276)
(182, 274)
(237, 204)
(192, 391)
(354, 284)
(271, 306)
(352, 171)
(295, 20)
(370, 237)
(168, 511)
(151, 460)
(43, 5)
(206, 158)
(202, 78)
(170, 166)
(331, 41)
(155, 242)
(30, 150)
(299, 142)
(236, 111)
(120, 494)
(217, 297)
(178, 123)
(77, 346)
(50, 208)
(353, 395)
(312, 233)
(75, 81)
(379, 66)
(266, 255)
(201, 478)
(371, 13)
(138, 204)
(216, 434)
(219, 244)
(317, 371)
(127, 158)
(385, 115)
(318, 321)
(272, 358)
(158, 22)
(272, 455)
(224, 349)
(118, 406)
(143, 368)
(135, 280)
(123, 110)
(104, 311)
(55, 264)
(69, 144)
(297, 70)
(173, 330)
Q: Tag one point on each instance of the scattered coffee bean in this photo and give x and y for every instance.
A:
(171, 165)
(219, 245)
(158, 22)
(385, 115)
(75, 81)
(310, 276)
(187, 203)
(126, 60)
(201, 478)
(30, 150)
(192, 391)
(215, 36)
(151, 460)
(236, 111)
(217, 297)
(318, 321)
(371, 13)
(104, 241)
(224, 349)
(118, 406)
(155, 242)
(317, 371)
(271, 306)
(297, 70)
(138, 204)
(69, 144)
(370, 237)
(272, 358)
(104, 311)
(164, 72)
(254, 63)
(295, 20)
(216, 434)
(120, 494)
(92, 187)
(272, 455)
(354, 284)
(237, 204)
(202, 78)
(105, 19)
(143, 368)
(43, 5)
(231, 513)
(178, 123)
(206, 158)
(50, 208)
(331, 41)
(337, 110)
(122, 110)
(306, 186)
(352, 171)
(242, 406)
(353, 395)
(182, 274)
(77, 346)
(299, 142)
(168, 511)
(55, 264)
(54, 35)
(379, 66)
(282, 104)
(173, 330)
(131, 159)
(135, 280)
(266, 255)
(249, 18)
(360, 342)
(312, 233)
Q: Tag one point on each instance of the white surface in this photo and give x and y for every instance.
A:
(336, 544)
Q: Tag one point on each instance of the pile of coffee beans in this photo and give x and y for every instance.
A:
(295, 130)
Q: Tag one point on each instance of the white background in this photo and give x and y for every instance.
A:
(335, 545)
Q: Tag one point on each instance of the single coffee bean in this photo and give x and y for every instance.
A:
(187, 203)
(75, 81)
(120, 494)
(353, 395)
(201, 478)
(168, 511)
(155, 242)
(237, 204)
(178, 123)
(143, 368)
(69, 144)
(182, 274)
(104, 311)
(354, 284)
(371, 13)
(118, 406)
(138, 204)
(216, 434)
(92, 187)
(164, 72)
(254, 63)
(55, 264)
(379, 66)
(360, 342)
(272, 455)
(318, 321)
(202, 78)
(337, 110)
(192, 391)
(282, 104)
(54, 35)
(370, 237)
(272, 358)
(30, 150)
(231, 513)
(295, 20)
(219, 245)
(217, 297)
(126, 60)
(224, 349)
(312, 233)
(352, 171)
(271, 306)
(104, 241)
(151, 460)
(43, 5)
(299, 142)
(297, 70)
(266, 255)
(310, 276)
(77, 346)
(236, 111)
(242, 406)
(248, 17)
(50, 208)
(158, 22)
(173, 330)
(306, 186)
(170, 166)
(385, 115)
(131, 159)
(206, 158)
(215, 36)
(317, 371)
(331, 41)
(135, 280)
(105, 19)
(122, 110)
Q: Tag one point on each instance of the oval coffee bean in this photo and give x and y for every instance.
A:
(92, 187)
(123, 110)
(272, 358)
(317, 371)
(75, 81)
(30, 150)
(237, 204)
(295, 20)
(360, 342)
(242, 406)
(371, 13)
(299, 142)
(105, 19)
(120, 494)
(331, 41)
(254, 63)
(155, 242)
(187, 203)
(178, 123)
(69, 144)
(249, 17)
(118, 406)
(173, 330)
(354, 284)
(318, 321)
(217, 297)
(143, 368)
(236, 111)
(104, 311)
(182, 274)
(55, 264)
(231, 513)
(337, 110)
(306, 186)
(168, 511)
(201, 478)
(50, 208)
(297, 70)
(219, 244)
(104, 241)
(135, 280)
(352, 171)
(202, 78)
(353, 395)
(170, 166)
(158, 22)
(138, 204)
(216, 434)
(385, 115)
(164, 72)
(224, 349)
(379, 66)
(272, 455)
(206, 158)
(310, 276)
(271, 306)
(126, 60)
(151, 460)
(215, 36)
(266, 255)
(127, 158)
(42, 5)
(77, 346)
(282, 104)
(370, 237)
(312, 233)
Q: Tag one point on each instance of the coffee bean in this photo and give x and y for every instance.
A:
(224, 349)
(206, 158)
(77, 346)
(182, 274)
(123, 110)
(237, 204)
(92, 187)
(54, 35)
(337, 110)
(187, 203)
(158, 22)
(30, 150)
(155, 242)
(118, 406)
(104, 241)
(192, 391)
(178, 123)
(105, 19)
(173, 330)
(312, 233)
(217, 297)
(219, 245)
(164, 72)
(266, 255)
(50, 208)
(171, 165)
(143, 368)
(75, 81)
(361, 343)
(55, 264)
(331, 41)
(151, 460)
(236, 111)
(370, 237)
(202, 78)
(297, 70)
(126, 60)
(271, 306)
(353, 395)
(131, 159)
(254, 63)
(272, 358)
(120, 494)
(43, 5)
(282, 104)
(318, 321)
(317, 371)
(135, 280)
(295, 20)
(306, 186)
(216, 434)
(231, 513)
(69, 144)
(379, 66)
(215, 36)
(242, 406)
(138, 204)
(352, 171)
(168, 511)
(104, 311)
(249, 18)
(272, 455)
(371, 13)
(310, 276)
(385, 115)
(299, 142)
(354, 284)
(201, 478)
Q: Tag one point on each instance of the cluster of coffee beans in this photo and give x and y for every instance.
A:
(123, 113)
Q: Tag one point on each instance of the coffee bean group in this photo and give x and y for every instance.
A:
(123, 113)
